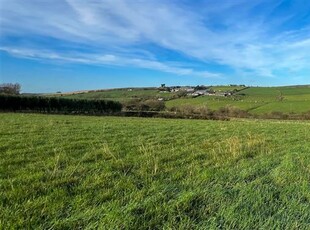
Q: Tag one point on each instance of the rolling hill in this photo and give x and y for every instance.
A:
(255, 100)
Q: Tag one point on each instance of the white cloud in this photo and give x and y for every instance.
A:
(238, 39)
(108, 59)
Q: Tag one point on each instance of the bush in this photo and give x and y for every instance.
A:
(154, 105)
(230, 111)
(276, 115)
(181, 93)
(147, 105)
(190, 111)
(57, 105)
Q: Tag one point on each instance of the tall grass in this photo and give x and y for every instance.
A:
(71, 172)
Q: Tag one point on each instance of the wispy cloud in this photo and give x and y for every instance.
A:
(108, 59)
(242, 35)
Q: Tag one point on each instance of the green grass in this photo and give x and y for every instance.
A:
(261, 91)
(70, 172)
(226, 88)
(295, 99)
(214, 102)
(257, 100)
(284, 106)
(119, 94)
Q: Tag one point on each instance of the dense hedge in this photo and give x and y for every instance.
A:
(57, 105)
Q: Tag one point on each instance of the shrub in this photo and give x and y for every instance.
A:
(55, 105)
(147, 105)
(230, 111)
(276, 115)
(154, 105)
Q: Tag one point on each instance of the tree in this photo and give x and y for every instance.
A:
(181, 93)
(200, 87)
(10, 88)
(153, 105)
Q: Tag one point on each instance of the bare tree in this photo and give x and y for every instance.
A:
(10, 88)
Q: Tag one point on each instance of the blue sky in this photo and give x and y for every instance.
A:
(67, 45)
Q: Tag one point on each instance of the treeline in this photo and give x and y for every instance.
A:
(138, 108)
(57, 105)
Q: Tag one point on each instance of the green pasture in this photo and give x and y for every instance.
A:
(284, 106)
(225, 88)
(80, 172)
(215, 102)
(257, 100)
(120, 94)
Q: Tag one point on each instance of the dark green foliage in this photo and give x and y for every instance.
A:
(57, 105)
(201, 87)
(144, 105)
(181, 93)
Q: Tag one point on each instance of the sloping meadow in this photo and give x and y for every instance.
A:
(67, 172)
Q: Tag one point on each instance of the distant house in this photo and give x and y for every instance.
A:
(189, 90)
(224, 94)
(201, 92)
(195, 94)
(174, 90)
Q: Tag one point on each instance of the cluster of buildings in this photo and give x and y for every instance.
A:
(194, 91)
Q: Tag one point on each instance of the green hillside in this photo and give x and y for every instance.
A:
(256, 100)
(119, 94)
(226, 88)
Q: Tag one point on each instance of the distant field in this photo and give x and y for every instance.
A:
(214, 102)
(120, 94)
(226, 88)
(79, 172)
(285, 106)
(256, 100)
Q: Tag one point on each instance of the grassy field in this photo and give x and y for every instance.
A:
(257, 100)
(120, 94)
(226, 88)
(79, 172)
